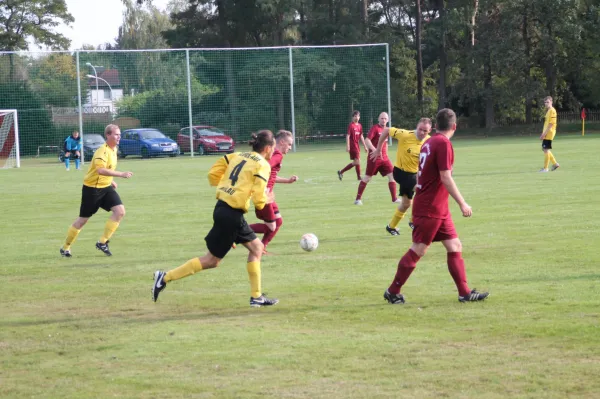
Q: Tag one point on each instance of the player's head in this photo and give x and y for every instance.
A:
(445, 122)
(355, 116)
(383, 119)
(263, 143)
(112, 133)
(423, 128)
(548, 102)
(284, 141)
(75, 134)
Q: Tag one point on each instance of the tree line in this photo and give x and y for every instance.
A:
(491, 61)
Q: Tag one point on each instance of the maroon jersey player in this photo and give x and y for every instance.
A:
(270, 214)
(431, 216)
(354, 137)
(380, 164)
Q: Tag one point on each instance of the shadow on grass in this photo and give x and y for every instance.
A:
(145, 316)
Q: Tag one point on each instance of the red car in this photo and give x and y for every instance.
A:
(206, 139)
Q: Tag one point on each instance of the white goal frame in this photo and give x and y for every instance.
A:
(4, 135)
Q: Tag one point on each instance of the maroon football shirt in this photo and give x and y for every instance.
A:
(374, 135)
(275, 163)
(431, 199)
(354, 131)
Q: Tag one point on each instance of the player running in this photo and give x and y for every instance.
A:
(239, 177)
(270, 213)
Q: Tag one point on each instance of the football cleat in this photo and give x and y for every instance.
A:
(358, 202)
(103, 248)
(393, 298)
(543, 170)
(554, 167)
(65, 253)
(411, 225)
(393, 232)
(158, 285)
(473, 296)
(397, 201)
(340, 175)
(262, 301)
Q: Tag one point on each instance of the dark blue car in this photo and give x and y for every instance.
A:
(146, 143)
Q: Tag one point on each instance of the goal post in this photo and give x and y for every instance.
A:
(9, 139)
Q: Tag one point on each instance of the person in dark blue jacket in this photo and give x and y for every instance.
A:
(73, 145)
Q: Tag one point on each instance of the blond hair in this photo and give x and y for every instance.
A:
(282, 134)
(109, 129)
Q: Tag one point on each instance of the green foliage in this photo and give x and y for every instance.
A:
(35, 122)
(168, 105)
(55, 78)
(33, 20)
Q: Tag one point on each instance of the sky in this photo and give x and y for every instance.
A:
(96, 22)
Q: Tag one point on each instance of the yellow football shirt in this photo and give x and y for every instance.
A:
(409, 147)
(550, 119)
(104, 157)
(239, 177)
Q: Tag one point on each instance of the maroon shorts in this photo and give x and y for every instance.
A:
(379, 166)
(428, 230)
(354, 153)
(268, 213)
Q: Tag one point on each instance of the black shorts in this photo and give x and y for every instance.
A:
(546, 144)
(93, 199)
(406, 181)
(229, 227)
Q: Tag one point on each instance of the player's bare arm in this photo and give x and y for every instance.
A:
(448, 182)
(362, 139)
(347, 143)
(114, 173)
(369, 145)
(284, 180)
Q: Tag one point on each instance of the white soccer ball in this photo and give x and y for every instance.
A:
(309, 242)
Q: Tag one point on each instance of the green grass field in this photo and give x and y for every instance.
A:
(86, 327)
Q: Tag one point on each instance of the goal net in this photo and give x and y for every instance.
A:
(9, 139)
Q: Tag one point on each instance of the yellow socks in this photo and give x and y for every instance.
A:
(109, 229)
(71, 237)
(254, 277)
(398, 216)
(551, 158)
(546, 159)
(188, 268)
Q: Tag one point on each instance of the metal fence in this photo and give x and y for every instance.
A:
(308, 90)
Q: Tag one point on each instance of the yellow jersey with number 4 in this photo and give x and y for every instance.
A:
(104, 157)
(550, 119)
(409, 147)
(239, 177)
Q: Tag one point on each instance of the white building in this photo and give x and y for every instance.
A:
(104, 91)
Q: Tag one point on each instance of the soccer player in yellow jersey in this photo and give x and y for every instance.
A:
(99, 192)
(548, 135)
(406, 165)
(239, 177)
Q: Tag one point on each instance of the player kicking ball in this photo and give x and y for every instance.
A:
(431, 214)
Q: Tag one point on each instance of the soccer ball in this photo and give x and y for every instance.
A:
(309, 242)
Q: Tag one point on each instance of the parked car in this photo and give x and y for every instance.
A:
(91, 142)
(206, 139)
(146, 143)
